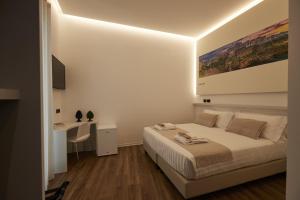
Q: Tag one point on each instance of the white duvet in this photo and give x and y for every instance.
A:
(245, 151)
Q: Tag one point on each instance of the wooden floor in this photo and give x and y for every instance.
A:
(132, 175)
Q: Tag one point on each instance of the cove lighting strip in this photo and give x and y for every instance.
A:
(229, 18)
(121, 27)
(145, 30)
(195, 68)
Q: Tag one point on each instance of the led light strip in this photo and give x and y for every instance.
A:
(123, 27)
(56, 6)
(119, 26)
(228, 19)
(195, 68)
(134, 28)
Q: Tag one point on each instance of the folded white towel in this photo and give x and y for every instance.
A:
(169, 126)
(185, 135)
(158, 127)
(181, 139)
(192, 140)
(165, 126)
(199, 140)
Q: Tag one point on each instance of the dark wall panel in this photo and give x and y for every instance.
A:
(293, 175)
(20, 121)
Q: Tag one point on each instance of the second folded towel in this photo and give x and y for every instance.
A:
(185, 138)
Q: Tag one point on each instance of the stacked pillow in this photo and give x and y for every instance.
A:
(251, 125)
(207, 119)
(275, 124)
(247, 127)
(223, 117)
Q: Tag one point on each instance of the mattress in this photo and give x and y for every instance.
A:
(245, 151)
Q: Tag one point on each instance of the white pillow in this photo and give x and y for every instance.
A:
(223, 117)
(284, 135)
(275, 124)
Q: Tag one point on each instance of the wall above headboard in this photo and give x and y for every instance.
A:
(255, 85)
(256, 63)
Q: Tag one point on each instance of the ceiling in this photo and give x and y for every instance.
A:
(184, 17)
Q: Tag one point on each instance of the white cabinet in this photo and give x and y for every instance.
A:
(60, 160)
(106, 139)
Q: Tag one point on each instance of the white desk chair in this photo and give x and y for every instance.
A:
(83, 133)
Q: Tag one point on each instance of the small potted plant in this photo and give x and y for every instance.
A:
(90, 116)
(78, 116)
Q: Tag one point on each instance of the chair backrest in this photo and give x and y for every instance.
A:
(83, 130)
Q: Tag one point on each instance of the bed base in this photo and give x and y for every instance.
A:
(191, 188)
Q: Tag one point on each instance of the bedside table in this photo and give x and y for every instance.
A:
(106, 139)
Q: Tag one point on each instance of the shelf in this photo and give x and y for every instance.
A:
(261, 107)
(9, 94)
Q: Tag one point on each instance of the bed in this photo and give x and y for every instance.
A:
(251, 159)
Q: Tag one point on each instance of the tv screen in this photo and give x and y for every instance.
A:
(58, 74)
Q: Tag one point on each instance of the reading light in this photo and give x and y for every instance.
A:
(229, 18)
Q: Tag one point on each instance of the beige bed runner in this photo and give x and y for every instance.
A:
(205, 154)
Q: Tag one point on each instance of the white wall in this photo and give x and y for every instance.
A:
(257, 18)
(293, 177)
(55, 33)
(131, 78)
(57, 104)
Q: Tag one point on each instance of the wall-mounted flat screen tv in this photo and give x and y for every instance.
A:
(58, 74)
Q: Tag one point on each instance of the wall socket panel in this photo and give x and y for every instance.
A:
(206, 100)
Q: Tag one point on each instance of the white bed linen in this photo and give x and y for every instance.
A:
(246, 151)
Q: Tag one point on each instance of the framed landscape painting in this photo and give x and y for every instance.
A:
(265, 46)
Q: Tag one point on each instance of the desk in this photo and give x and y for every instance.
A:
(60, 160)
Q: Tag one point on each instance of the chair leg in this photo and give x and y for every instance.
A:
(76, 151)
